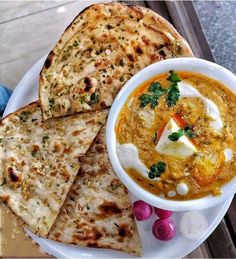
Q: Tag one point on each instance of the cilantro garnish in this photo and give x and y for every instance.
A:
(156, 170)
(156, 88)
(189, 132)
(175, 136)
(173, 77)
(156, 91)
(173, 90)
(173, 94)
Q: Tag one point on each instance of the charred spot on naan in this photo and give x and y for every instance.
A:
(90, 84)
(124, 232)
(14, 177)
(108, 208)
(5, 199)
(77, 132)
(57, 235)
(49, 60)
(90, 233)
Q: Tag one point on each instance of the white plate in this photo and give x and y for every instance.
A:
(183, 243)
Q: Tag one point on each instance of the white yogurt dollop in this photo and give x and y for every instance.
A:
(129, 158)
(171, 194)
(186, 90)
(228, 154)
(182, 189)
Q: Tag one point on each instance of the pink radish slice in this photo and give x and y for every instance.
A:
(164, 229)
(163, 214)
(142, 210)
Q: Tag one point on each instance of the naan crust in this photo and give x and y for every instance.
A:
(39, 161)
(103, 47)
(97, 211)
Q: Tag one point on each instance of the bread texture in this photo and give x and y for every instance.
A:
(101, 49)
(39, 161)
(97, 212)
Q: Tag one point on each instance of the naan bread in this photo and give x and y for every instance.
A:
(102, 48)
(39, 161)
(97, 211)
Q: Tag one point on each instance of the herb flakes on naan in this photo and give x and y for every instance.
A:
(39, 161)
(97, 211)
(104, 46)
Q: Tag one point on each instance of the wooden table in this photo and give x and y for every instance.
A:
(28, 30)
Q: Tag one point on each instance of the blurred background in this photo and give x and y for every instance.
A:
(29, 29)
(218, 20)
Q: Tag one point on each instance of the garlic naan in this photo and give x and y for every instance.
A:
(97, 211)
(103, 47)
(39, 161)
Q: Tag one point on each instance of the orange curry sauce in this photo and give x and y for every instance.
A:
(205, 171)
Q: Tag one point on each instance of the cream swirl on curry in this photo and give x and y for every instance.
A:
(176, 135)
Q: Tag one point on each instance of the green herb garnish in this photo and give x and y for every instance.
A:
(173, 77)
(51, 103)
(173, 94)
(45, 138)
(122, 79)
(94, 98)
(23, 116)
(33, 153)
(145, 99)
(189, 132)
(156, 92)
(156, 88)
(156, 170)
(4, 182)
(75, 43)
(173, 90)
(175, 136)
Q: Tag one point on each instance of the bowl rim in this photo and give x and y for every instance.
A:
(197, 65)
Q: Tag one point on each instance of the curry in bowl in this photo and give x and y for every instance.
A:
(176, 135)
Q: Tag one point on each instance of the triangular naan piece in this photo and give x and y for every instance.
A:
(39, 161)
(102, 48)
(97, 211)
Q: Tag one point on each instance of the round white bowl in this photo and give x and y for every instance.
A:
(187, 64)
